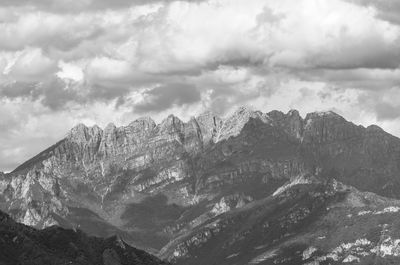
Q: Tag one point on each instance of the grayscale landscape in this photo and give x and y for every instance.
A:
(207, 132)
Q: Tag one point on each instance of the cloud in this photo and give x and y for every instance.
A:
(163, 97)
(30, 65)
(52, 93)
(386, 9)
(386, 111)
(98, 60)
(70, 71)
(384, 104)
(48, 30)
(105, 69)
(174, 39)
(79, 6)
(334, 34)
(361, 78)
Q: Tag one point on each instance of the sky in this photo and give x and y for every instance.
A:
(64, 62)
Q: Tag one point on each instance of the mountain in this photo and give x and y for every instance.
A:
(23, 245)
(162, 186)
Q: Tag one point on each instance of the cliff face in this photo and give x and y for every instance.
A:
(151, 183)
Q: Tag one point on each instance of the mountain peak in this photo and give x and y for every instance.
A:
(110, 127)
(142, 120)
(78, 129)
(245, 112)
(170, 122)
(233, 124)
(293, 112)
(324, 114)
(374, 128)
(209, 124)
(142, 125)
(81, 133)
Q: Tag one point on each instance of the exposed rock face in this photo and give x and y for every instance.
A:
(233, 125)
(292, 123)
(209, 124)
(153, 183)
(21, 244)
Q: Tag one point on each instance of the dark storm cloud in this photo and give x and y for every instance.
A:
(163, 97)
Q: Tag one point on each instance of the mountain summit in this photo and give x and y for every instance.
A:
(180, 189)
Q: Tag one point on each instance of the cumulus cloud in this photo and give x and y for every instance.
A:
(66, 58)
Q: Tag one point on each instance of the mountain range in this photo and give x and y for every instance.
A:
(250, 188)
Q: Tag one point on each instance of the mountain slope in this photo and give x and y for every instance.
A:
(20, 244)
(307, 221)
